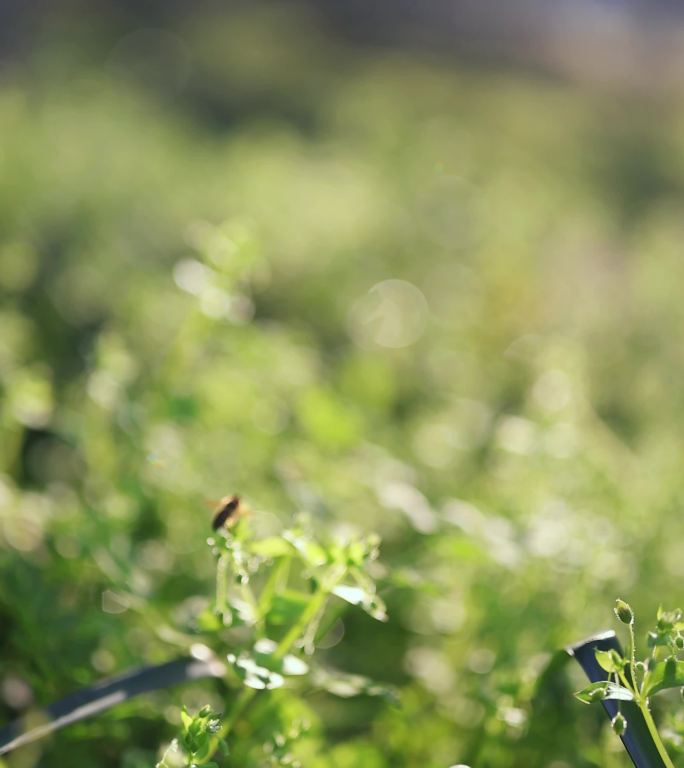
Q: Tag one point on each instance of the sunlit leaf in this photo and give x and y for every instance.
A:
(274, 546)
(310, 551)
(347, 685)
(353, 595)
(664, 674)
(286, 607)
(610, 660)
(604, 690)
(253, 674)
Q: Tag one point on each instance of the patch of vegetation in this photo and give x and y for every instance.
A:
(391, 296)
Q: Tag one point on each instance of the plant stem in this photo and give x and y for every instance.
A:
(276, 579)
(173, 746)
(632, 654)
(645, 711)
(284, 646)
(642, 703)
(246, 695)
(221, 583)
(315, 604)
(251, 600)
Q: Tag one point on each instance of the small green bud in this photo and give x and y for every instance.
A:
(619, 724)
(624, 612)
(679, 642)
(669, 618)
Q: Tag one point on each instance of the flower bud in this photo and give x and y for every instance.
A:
(598, 694)
(623, 612)
(679, 642)
(619, 724)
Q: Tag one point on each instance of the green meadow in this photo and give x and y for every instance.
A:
(370, 294)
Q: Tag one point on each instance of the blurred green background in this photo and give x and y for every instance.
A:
(437, 299)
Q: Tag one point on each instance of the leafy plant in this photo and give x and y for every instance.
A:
(208, 304)
(636, 680)
(197, 741)
(276, 597)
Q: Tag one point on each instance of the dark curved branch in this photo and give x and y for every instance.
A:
(108, 693)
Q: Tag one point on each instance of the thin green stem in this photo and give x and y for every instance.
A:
(222, 583)
(646, 712)
(642, 703)
(284, 646)
(277, 579)
(626, 683)
(246, 695)
(308, 614)
(632, 655)
(334, 617)
(173, 746)
(250, 599)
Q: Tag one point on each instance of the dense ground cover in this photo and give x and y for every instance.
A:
(438, 304)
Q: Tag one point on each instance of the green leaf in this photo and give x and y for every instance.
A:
(657, 639)
(253, 674)
(353, 595)
(610, 660)
(274, 546)
(668, 620)
(347, 685)
(310, 551)
(208, 621)
(366, 599)
(289, 665)
(603, 690)
(665, 674)
(287, 607)
(186, 719)
(206, 749)
(294, 666)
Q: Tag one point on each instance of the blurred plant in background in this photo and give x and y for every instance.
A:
(439, 304)
(273, 608)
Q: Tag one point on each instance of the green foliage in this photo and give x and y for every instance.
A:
(198, 741)
(396, 296)
(271, 610)
(638, 680)
(255, 579)
(603, 690)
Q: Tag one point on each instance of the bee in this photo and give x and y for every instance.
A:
(227, 512)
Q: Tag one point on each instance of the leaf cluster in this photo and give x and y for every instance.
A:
(276, 597)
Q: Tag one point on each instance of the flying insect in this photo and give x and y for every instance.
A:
(227, 512)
